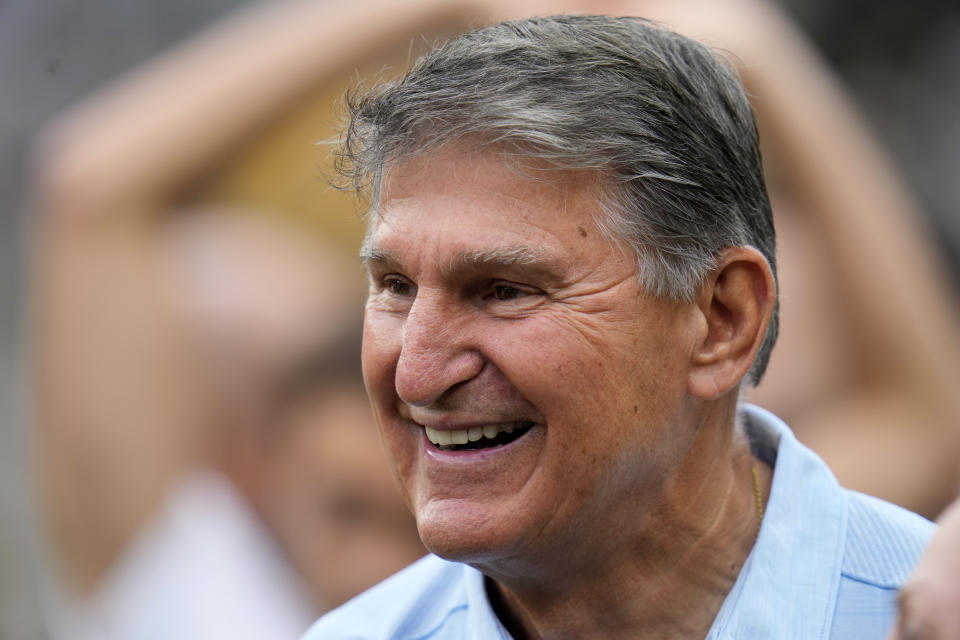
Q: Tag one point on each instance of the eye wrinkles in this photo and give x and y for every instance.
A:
(399, 293)
(393, 291)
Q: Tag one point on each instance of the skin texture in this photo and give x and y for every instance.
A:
(494, 299)
(580, 291)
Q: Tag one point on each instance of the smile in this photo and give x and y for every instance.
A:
(490, 435)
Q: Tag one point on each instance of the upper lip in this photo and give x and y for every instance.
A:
(449, 422)
(447, 425)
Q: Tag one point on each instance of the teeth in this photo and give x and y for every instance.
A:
(442, 438)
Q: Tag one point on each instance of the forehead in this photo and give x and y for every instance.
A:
(485, 207)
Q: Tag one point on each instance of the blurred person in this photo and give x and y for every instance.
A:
(273, 317)
(124, 400)
(330, 500)
(259, 540)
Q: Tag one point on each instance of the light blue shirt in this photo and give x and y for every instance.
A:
(827, 565)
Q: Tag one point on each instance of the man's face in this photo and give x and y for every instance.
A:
(498, 311)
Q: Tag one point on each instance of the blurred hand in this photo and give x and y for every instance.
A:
(930, 601)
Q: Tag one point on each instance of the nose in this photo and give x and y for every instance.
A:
(436, 353)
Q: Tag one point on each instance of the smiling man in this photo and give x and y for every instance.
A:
(571, 262)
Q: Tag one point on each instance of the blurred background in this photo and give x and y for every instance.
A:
(900, 61)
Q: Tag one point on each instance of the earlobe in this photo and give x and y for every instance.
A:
(736, 301)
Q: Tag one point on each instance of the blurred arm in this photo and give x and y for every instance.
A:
(894, 431)
(152, 135)
(118, 408)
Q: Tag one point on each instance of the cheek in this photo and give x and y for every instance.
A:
(603, 383)
(555, 359)
(381, 350)
(382, 339)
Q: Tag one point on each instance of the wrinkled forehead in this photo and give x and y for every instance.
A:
(508, 170)
(452, 212)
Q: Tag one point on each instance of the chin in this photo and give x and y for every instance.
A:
(462, 534)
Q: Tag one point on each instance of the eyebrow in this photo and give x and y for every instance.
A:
(493, 258)
(374, 255)
(510, 257)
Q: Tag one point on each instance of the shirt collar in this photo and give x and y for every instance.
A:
(791, 577)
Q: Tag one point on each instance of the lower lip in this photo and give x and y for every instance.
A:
(471, 455)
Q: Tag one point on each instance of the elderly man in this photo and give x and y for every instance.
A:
(571, 264)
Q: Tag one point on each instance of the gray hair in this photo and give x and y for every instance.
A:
(663, 121)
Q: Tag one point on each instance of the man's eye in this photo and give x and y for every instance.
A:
(397, 286)
(505, 292)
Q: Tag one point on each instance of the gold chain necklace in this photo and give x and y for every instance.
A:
(758, 495)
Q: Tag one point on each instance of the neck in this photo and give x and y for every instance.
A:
(639, 580)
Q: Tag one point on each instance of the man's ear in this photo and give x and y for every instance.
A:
(736, 301)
